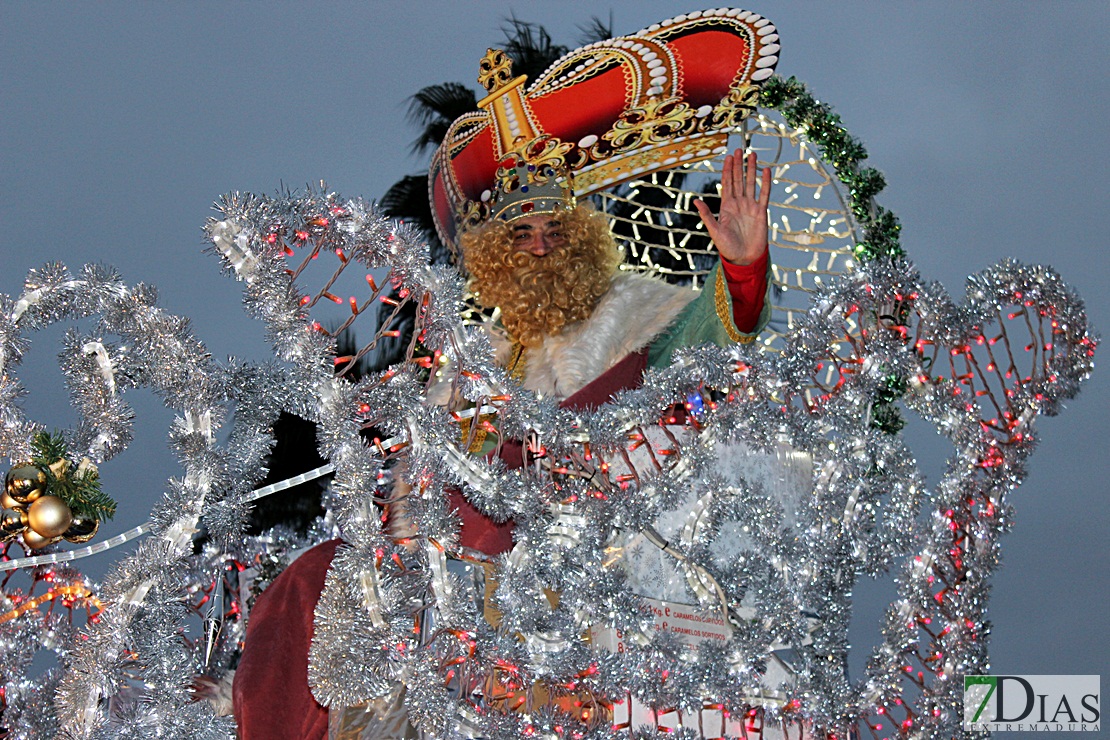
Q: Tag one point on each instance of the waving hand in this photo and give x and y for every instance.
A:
(740, 230)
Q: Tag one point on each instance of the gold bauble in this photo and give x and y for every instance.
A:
(82, 530)
(8, 502)
(12, 522)
(49, 516)
(34, 541)
(25, 483)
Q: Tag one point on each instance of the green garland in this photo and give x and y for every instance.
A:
(80, 491)
(809, 115)
(880, 227)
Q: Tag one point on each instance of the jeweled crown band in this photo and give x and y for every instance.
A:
(524, 189)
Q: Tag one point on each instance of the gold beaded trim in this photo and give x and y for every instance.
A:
(479, 434)
(724, 311)
(516, 364)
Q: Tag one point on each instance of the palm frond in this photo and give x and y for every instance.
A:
(430, 137)
(596, 30)
(433, 109)
(531, 47)
(445, 100)
(408, 199)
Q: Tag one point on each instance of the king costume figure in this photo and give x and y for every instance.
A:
(508, 188)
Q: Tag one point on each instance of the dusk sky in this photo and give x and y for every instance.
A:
(120, 124)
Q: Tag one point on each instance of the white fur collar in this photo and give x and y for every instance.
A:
(634, 311)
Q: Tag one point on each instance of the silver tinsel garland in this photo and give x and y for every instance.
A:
(137, 635)
(599, 490)
(867, 512)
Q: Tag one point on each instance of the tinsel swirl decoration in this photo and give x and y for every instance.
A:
(600, 487)
(138, 635)
(42, 611)
(624, 469)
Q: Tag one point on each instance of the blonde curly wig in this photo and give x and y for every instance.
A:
(538, 296)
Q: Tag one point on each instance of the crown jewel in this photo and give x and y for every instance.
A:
(527, 189)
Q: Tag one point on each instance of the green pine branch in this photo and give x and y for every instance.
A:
(47, 448)
(823, 127)
(81, 492)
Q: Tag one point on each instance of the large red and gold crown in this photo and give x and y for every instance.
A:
(605, 113)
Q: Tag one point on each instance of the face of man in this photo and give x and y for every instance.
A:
(543, 271)
(538, 235)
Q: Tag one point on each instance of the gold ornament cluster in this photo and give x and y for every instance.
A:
(32, 512)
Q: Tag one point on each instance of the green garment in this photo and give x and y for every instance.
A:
(701, 323)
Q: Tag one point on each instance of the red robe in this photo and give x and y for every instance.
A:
(270, 692)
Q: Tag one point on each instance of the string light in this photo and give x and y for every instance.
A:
(829, 406)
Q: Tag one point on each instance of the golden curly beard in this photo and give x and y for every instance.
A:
(538, 296)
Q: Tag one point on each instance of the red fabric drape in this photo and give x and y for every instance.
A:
(270, 694)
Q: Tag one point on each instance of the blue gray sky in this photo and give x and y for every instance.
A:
(120, 123)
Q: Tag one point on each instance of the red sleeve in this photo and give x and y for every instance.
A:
(270, 690)
(747, 284)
